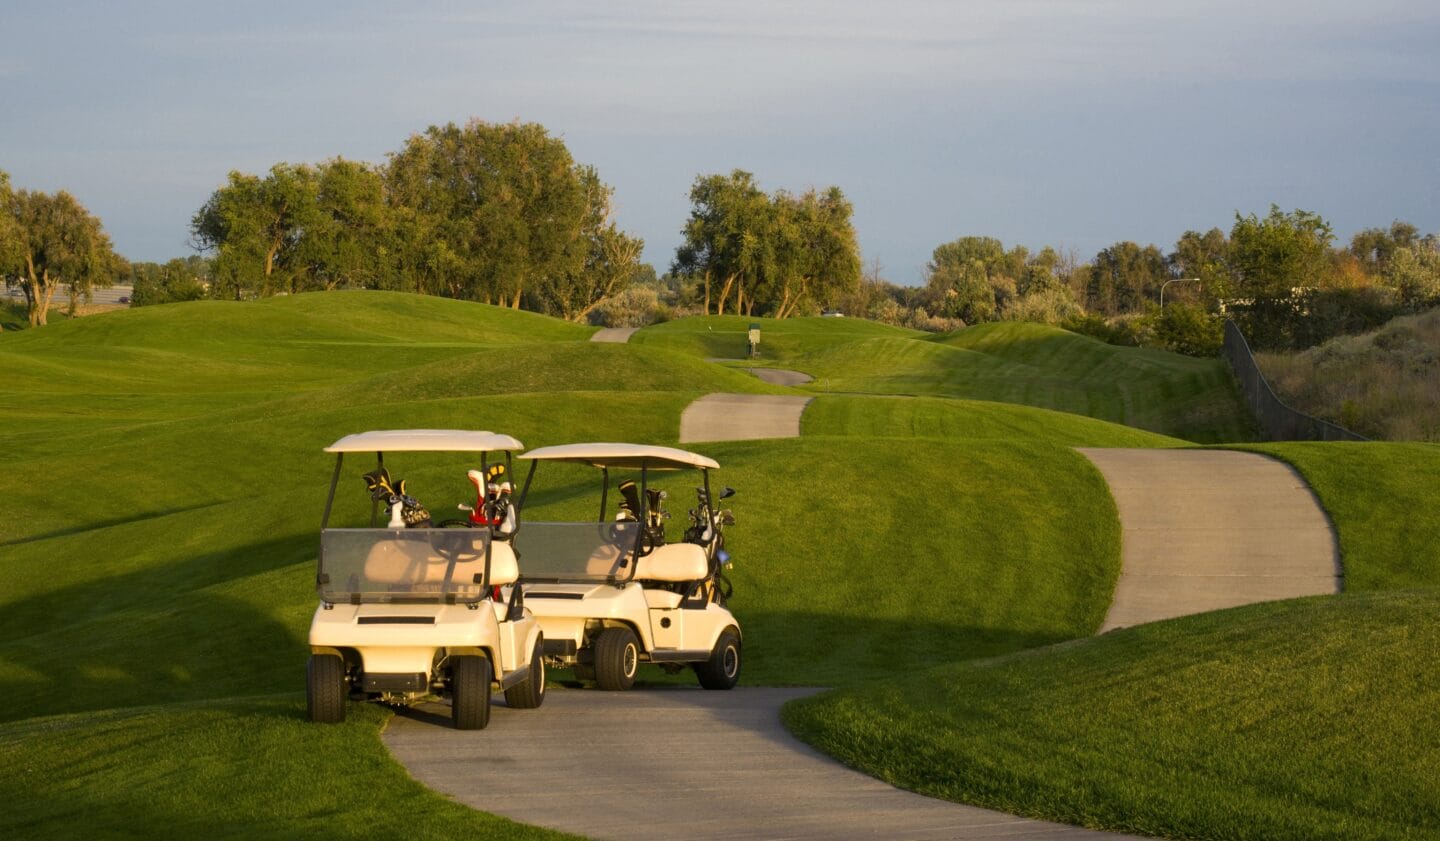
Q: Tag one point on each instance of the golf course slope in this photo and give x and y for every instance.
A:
(1310, 719)
(155, 596)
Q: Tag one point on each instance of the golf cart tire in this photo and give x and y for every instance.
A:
(325, 688)
(530, 693)
(470, 678)
(722, 670)
(617, 658)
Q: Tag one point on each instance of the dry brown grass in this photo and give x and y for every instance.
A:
(1384, 384)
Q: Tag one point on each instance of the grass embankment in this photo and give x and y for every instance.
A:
(1384, 384)
(168, 558)
(1304, 719)
(1035, 365)
(781, 340)
(1310, 719)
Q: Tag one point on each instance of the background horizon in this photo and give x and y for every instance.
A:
(1073, 124)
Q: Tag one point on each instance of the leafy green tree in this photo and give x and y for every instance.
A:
(180, 279)
(976, 279)
(1413, 271)
(50, 239)
(611, 258)
(504, 205)
(1272, 256)
(727, 237)
(1374, 247)
(1124, 277)
(350, 239)
(815, 253)
(254, 227)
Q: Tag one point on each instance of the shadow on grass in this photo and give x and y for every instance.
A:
(155, 635)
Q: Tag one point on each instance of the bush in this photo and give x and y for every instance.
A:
(635, 307)
(1187, 329)
(1051, 305)
(1096, 326)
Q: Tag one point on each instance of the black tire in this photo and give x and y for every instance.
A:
(530, 693)
(617, 658)
(325, 688)
(470, 678)
(722, 670)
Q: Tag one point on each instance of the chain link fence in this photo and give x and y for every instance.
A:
(1278, 421)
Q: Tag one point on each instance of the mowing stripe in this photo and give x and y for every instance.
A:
(1210, 529)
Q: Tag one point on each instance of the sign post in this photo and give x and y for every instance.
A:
(754, 340)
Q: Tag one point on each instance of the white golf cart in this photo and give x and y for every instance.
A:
(611, 594)
(411, 608)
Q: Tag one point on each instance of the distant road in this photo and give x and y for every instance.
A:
(62, 297)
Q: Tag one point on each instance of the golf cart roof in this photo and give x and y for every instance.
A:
(424, 440)
(622, 455)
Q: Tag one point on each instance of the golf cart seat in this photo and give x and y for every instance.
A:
(673, 563)
(503, 567)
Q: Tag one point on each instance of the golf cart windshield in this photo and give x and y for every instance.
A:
(581, 552)
(403, 565)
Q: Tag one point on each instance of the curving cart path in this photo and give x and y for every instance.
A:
(779, 376)
(676, 762)
(1210, 529)
(617, 335)
(742, 417)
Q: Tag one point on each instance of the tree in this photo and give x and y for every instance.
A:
(349, 238)
(975, 278)
(503, 208)
(1413, 271)
(51, 239)
(815, 255)
(180, 279)
(727, 237)
(1270, 257)
(1124, 277)
(610, 259)
(1374, 247)
(254, 226)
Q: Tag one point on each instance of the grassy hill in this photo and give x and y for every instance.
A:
(727, 336)
(1048, 367)
(155, 595)
(1308, 719)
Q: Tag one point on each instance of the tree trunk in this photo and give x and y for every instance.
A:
(724, 293)
(707, 293)
(515, 304)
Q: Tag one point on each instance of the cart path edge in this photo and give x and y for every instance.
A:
(1206, 530)
(614, 765)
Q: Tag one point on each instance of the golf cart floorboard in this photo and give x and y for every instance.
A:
(676, 656)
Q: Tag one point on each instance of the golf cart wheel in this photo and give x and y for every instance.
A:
(325, 688)
(617, 658)
(470, 692)
(530, 693)
(722, 670)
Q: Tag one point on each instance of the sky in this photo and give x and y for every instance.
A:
(1073, 123)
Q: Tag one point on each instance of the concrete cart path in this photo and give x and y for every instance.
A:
(618, 335)
(1210, 529)
(742, 417)
(779, 376)
(675, 762)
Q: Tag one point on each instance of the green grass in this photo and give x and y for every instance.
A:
(967, 420)
(1309, 719)
(781, 340)
(245, 768)
(1035, 365)
(171, 466)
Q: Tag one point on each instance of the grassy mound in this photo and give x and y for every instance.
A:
(169, 559)
(1310, 719)
(727, 336)
(1046, 367)
(967, 420)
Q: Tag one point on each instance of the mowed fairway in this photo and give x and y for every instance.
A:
(157, 592)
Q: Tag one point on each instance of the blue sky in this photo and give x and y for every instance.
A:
(1075, 123)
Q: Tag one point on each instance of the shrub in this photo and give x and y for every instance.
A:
(635, 307)
(1187, 329)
